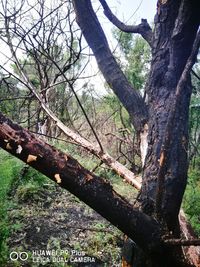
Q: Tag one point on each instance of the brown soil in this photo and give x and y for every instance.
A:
(55, 220)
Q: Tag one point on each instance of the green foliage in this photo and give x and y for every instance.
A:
(138, 63)
(124, 39)
(9, 167)
(27, 192)
(30, 185)
(137, 55)
(4, 234)
(191, 203)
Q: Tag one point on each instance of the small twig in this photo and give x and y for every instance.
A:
(118, 137)
(56, 138)
(19, 239)
(195, 74)
(15, 98)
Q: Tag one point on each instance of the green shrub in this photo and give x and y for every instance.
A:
(191, 203)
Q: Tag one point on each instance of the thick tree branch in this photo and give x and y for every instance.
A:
(95, 37)
(143, 28)
(69, 174)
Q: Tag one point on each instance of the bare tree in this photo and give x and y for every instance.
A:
(45, 50)
(50, 67)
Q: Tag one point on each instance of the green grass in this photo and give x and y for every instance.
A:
(20, 183)
(15, 185)
(9, 167)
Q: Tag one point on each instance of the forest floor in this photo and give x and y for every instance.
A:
(52, 221)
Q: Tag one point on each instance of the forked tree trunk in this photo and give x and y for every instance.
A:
(166, 165)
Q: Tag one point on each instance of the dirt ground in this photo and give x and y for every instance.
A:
(54, 228)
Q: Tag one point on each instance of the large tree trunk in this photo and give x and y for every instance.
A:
(176, 25)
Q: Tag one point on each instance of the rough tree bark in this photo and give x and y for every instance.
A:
(176, 25)
(94, 191)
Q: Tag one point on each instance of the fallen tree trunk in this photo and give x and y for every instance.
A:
(69, 174)
(117, 167)
(120, 169)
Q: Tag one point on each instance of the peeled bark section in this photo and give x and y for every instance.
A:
(69, 174)
(143, 143)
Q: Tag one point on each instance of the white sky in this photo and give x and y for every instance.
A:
(140, 8)
(129, 11)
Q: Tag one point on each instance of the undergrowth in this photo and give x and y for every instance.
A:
(191, 202)
(9, 167)
(20, 183)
